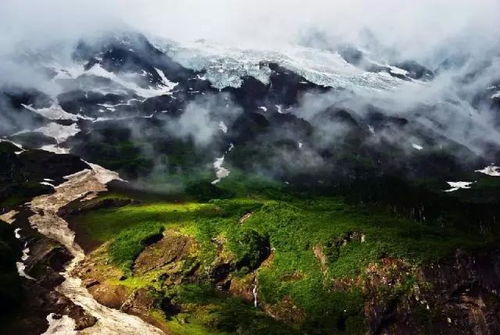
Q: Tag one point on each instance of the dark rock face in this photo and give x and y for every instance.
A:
(14, 116)
(454, 296)
(416, 70)
(140, 302)
(110, 296)
(352, 55)
(495, 105)
(46, 262)
(380, 121)
(9, 170)
(37, 303)
(89, 104)
(26, 303)
(10, 286)
(285, 88)
(467, 286)
(32, 97)
(35, 163)
(220, 272)
(130, 53)
(21, 174)
(33, 139)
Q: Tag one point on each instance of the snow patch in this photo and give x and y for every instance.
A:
(47, 184)
(491, 170)
(220, 171)
(103, 175)
(21, 149)
(21, 268)
(109, 107)
(54, 112)
(55, 149)
(457, 185)
(58, 131)
(397, 71)
(165, 89)
(167, 83)
(223, 127)
(63, 325)
(16, 233)
(254, 293)
(26, 251)
(417, 147)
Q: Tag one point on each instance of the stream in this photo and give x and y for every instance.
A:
(85, 184)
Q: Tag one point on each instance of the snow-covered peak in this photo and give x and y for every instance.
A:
(225, 67)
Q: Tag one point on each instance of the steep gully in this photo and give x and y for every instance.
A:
(82, 185)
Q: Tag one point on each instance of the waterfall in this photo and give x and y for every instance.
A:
(254, 293)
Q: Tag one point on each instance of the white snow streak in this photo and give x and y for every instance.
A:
(492, 170)
(457, 185)
(417, 147)
(54, 112)
(58, 131)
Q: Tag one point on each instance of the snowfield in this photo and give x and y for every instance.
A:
(225, 67)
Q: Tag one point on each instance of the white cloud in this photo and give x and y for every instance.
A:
(416, 27)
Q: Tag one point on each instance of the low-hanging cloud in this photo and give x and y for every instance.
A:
(444, 106)
(205, 118)
(416, 28)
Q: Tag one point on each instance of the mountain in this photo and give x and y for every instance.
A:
(182, 188)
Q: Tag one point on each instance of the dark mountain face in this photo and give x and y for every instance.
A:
(22, 173)
(15, 116)
(126, 85)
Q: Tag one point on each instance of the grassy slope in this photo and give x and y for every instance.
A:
(295, 225)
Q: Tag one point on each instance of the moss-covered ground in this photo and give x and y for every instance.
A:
(312, 246)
